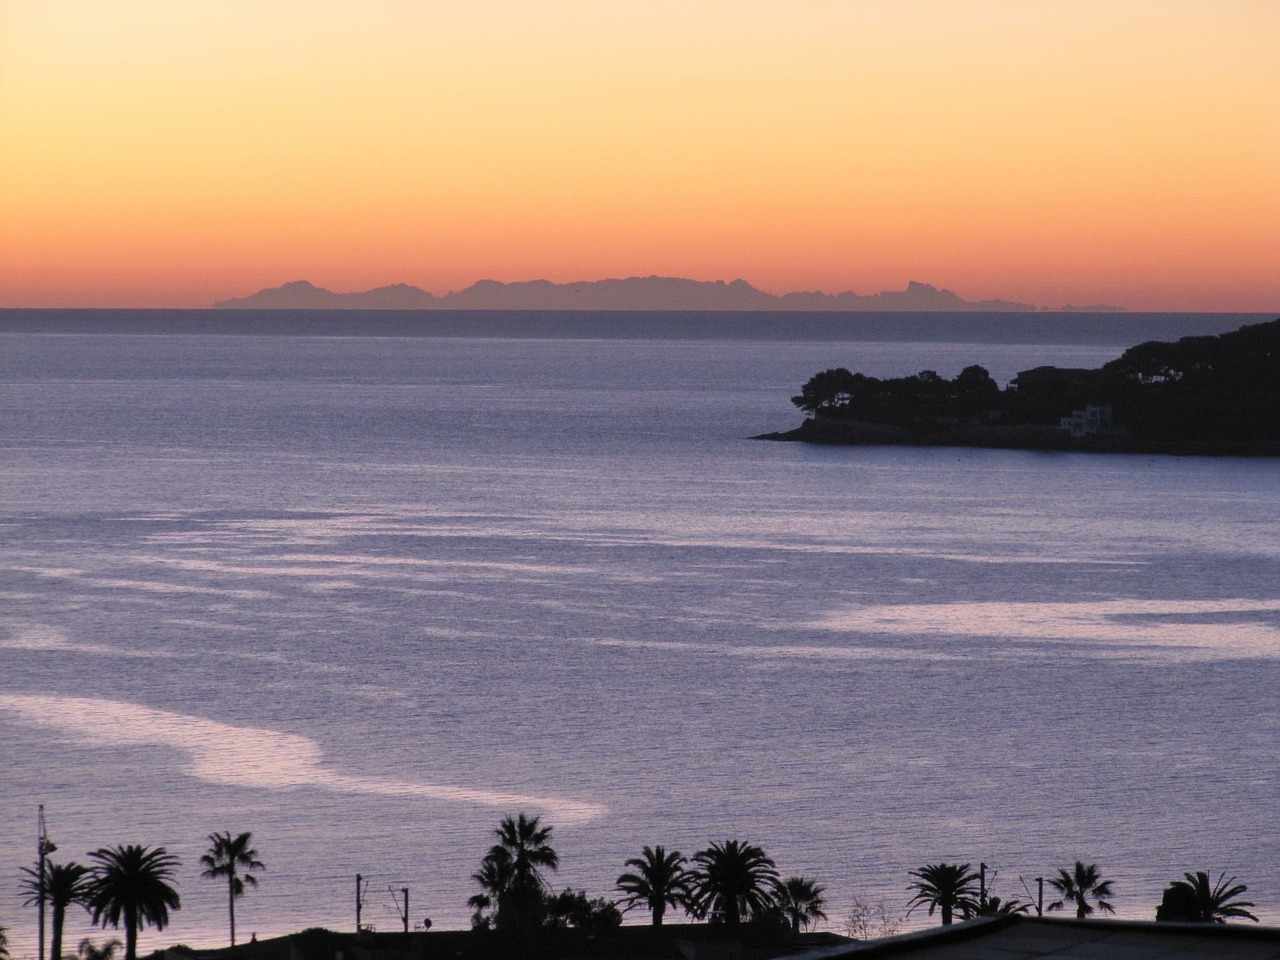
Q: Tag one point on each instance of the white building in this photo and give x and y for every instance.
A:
(1089, 421)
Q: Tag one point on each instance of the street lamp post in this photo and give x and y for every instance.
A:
(44, 847)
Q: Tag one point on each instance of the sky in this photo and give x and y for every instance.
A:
(172, 153)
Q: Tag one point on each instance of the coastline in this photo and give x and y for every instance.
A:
(1048, 439)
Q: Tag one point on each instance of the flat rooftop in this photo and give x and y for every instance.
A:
(1033, 938)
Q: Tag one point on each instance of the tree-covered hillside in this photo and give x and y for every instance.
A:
(1202, 389)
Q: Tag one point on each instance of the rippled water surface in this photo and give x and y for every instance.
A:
(363, 597)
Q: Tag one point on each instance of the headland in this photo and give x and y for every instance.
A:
(1197, 396)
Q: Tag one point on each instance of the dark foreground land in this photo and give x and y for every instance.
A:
(676, 941)
(1008, 937)
(1198, 396)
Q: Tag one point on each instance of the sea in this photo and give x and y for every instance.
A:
(365, 585)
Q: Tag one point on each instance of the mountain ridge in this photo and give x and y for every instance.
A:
(631, 293)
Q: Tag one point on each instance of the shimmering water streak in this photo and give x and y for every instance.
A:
(252, 757)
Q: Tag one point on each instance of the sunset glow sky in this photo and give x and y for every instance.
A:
(175, 152)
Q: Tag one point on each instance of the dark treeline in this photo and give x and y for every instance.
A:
(1199, 389)
(731, 885)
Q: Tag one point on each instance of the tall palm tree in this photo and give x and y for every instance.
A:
(948, 887)
(731, 880)
(522, 851)
(131, 885)
(1204, 902)
(800, 900)
(1079, 886)
(659, 881)
(64, 884)
(227, 856)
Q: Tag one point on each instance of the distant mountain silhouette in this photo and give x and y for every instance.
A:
(633, 293)
(304, 295)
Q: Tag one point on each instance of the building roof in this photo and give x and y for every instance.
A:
(1033, 938)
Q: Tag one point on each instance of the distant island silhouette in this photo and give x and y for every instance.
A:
(633, 293)
(1200, 395)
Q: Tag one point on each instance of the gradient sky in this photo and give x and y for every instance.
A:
(175, 152)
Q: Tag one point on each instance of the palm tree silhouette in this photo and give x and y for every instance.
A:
(88, 950)
(1082, 884)
(731, 880)
(659, 881)
(1200, 901)
(993, 906)
(947, 887)
(514, 866)
(227, 856)
(494, 877)
(131, 884)
(800, 900)
(64, 884)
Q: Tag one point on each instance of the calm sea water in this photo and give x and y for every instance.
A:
(365, 596)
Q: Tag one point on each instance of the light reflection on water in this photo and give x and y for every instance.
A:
(251, 757)
(1212, 628)
(361, 616)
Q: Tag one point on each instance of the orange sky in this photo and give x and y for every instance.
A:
(172, 153)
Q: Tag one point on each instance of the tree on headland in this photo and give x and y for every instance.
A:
(4, 942)
(1084, 887)
(800, 901)
(131, 885)
(63, 884)
(731, 881)
(228, 856)
(946, 887)
(1197, 900)
(659, 880)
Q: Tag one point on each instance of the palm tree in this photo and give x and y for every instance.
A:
(947, 887)
(800, 900)
(88, 950)
(131, 884)
(730, 880)
(63, 885)
(1199, 901)
(1081, 885)
(227, 856)
(659, 881)
(494, 877)
(523, 849)
(992, 906)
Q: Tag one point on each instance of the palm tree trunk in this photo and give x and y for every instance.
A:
(55, 943)
(231, 905)
(658, 911)
(130, 933)
(946, 914)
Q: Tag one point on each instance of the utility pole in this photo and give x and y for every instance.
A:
(44, 847)
(359, 900)
(1040, 897)
(405, 891)
(982, 885)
